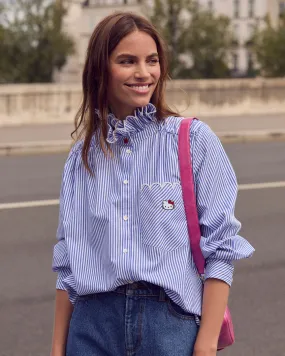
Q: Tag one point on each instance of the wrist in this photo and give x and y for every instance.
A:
(203, 348)
(57, 350)
(57, 353)
(207, 340)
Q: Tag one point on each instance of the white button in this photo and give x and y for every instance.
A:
(125, 217)
(125, 250)
(128, 151)
(130, 282)
(126, 181)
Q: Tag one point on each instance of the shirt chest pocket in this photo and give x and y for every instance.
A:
(162, 217)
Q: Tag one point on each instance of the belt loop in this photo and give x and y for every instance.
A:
(162, 296)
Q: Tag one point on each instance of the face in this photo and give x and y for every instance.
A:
(134, 73)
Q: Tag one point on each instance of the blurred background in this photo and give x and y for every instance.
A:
(227, 64)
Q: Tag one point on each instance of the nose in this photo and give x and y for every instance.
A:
(141, 71)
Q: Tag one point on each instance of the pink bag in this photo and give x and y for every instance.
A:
(226, 337)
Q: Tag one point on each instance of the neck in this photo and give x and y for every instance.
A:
(121, 114)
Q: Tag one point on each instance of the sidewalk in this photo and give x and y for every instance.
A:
(56, 137)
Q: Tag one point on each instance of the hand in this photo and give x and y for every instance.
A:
(206, 344)
(202, 349)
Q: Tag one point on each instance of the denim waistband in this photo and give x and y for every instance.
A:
(142, 289)
(139, 289)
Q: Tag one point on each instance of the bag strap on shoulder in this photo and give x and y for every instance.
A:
(188, 193)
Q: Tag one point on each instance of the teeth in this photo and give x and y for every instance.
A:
(141, 88)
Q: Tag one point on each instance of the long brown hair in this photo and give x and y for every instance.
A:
(106, 36)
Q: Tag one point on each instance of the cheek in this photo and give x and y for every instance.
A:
(156, 72)
(118, 76)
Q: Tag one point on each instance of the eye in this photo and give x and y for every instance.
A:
(154, 61)
(127, 61)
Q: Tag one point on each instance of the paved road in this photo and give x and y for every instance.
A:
(27, 237)
(220, 124)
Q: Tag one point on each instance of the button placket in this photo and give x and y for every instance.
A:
(128, 151)
(126, 156)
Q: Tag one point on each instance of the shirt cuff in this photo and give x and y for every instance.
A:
(60, 284)
(220, 270)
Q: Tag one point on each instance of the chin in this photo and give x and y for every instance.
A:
(141, 103)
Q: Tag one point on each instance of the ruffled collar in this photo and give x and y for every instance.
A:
(132, 124)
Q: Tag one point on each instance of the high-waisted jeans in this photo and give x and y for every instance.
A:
(137, 319)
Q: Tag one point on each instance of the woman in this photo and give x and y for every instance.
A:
(127, 283)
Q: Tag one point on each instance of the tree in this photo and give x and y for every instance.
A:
(269, 49)
(199, 41)
(208, 41)
(33, 43)
(171, 18)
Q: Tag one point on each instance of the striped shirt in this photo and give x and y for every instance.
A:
(127, 222)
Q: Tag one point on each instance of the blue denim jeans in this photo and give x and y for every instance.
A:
(135, 320)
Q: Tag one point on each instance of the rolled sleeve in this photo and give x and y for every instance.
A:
(220, 270)
(61, 264)
(216, 192)
(61, 261)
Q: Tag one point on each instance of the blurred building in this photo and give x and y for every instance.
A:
(245, 15)
(84, 15)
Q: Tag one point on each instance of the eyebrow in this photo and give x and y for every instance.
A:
(128, 55)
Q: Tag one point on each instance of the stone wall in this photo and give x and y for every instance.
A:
(38, 103)
(44, 103)
(228, 97)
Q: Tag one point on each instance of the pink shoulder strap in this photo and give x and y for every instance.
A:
(189, 198)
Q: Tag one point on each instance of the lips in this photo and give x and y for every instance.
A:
(140, 88)
(139, 85)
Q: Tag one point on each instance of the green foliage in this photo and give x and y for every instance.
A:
(209, 41)
(269, 48)
(33, 43)
(169, 18)
(196, 33)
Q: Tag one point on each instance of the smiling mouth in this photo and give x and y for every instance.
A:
(140, 87)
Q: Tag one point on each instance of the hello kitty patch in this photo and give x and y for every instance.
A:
(168, 205)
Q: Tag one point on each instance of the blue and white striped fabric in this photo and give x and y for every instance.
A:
(127, 222)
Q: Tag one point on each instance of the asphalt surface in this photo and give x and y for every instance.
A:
(27, 236)
(220, 124)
